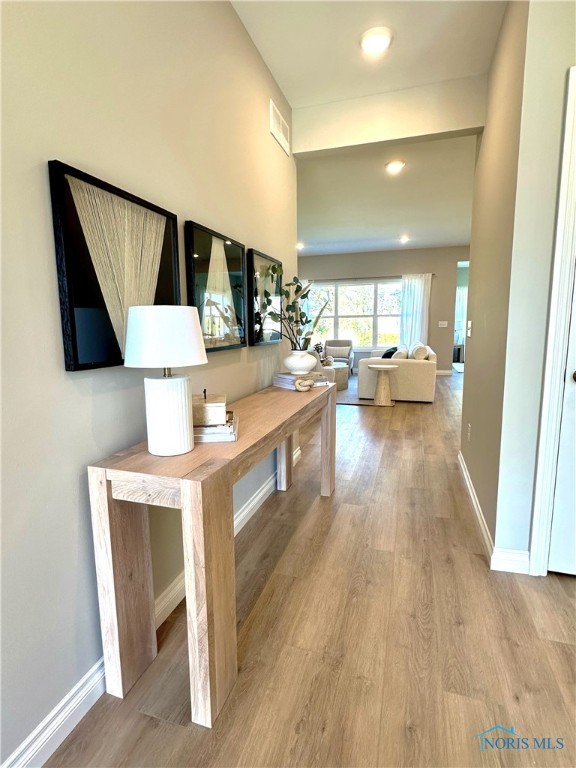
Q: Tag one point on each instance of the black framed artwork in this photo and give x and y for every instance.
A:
(215, 278)
(113, 250)
(265, 284)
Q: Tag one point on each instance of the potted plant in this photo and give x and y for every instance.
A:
(295, 324)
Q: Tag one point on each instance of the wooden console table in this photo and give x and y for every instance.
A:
(200, 484)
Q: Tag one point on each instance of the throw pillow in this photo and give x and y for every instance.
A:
(389, 353)
(400, 354)
(418, 351)
(337, 351)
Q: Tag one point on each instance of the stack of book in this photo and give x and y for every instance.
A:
(218, 433)
(288, 380)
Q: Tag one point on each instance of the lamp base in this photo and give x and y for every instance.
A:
(169, 415)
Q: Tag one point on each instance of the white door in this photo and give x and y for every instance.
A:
(563, 539)
(553, 541)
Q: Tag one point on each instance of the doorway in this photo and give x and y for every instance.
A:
(460, 309)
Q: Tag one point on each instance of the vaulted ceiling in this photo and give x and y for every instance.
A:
(346, 202)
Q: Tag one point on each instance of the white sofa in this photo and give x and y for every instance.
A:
(413, 380)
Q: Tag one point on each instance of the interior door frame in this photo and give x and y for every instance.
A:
(561, 299)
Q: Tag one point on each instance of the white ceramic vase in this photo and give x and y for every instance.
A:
(300, 361)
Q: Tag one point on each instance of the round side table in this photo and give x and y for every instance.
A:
(340, 375)
(382, 394)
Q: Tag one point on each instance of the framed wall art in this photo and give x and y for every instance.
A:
(215, 277)
(265, 284)
(113, 250)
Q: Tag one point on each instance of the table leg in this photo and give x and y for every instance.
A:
(125, 587)
(208, 535)
(328, 445)
(382, 395)
(284, 464)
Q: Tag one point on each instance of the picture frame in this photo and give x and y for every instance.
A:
(216, 283)
(113, 249)
(269, 331)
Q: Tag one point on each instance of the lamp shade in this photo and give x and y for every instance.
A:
(163, 337)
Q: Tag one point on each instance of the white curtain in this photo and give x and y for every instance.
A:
(415, 308)
(460, 314)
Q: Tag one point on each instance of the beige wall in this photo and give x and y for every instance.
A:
(550, 52)
(169, 101)
(510, 261)
(436, 108)
(490, 255)
(440, 261)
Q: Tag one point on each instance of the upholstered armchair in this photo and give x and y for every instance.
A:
(341, 350)
(327, 371)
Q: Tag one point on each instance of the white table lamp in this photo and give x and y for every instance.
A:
(166, 337)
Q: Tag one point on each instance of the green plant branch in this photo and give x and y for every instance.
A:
(293, 320)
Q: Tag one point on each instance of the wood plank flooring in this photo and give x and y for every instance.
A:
(371, 631)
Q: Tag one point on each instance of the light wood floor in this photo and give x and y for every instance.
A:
(371, 631)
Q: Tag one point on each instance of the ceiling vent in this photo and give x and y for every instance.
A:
(279, 128)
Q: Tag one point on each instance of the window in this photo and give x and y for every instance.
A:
(388, 313)
(366, 311)
(319, 295)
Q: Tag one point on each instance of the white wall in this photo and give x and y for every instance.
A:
(442, 262)
(170, 102)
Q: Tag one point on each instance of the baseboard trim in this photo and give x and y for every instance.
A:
(167, 601)
(444, 373)
(500, 559)
(510, 560)
(52, 731)
(248, 509)
(484, 530)
(254, 502)
(56, 726)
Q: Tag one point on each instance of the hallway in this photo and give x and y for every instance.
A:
(371, 632)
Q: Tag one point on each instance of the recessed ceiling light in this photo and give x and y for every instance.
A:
(395, 166)
(376, 41)
(196, 256)
(228, 242)
(299, 246)
(404, 239)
